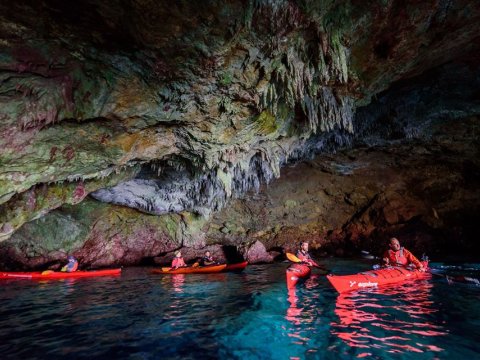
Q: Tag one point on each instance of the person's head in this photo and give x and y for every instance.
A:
(70, 258)
(178, 254)
(304, 246)
(207, 253)
(394, 244)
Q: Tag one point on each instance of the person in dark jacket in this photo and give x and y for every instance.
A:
(207, 259)
(71, 266)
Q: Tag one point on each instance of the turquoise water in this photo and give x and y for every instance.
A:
(238, 316)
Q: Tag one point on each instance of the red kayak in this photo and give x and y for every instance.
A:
(238, 267)
(57, 274)
(375, 278)
(191, 270)
(295, 273)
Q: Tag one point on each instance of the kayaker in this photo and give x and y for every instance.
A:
(399, 256)
(304, 255)
(207, 259)
(71, 266)
(178, 261)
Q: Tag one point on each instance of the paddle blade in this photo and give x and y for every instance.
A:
(47, 272)
(293, 258)
(166, 269)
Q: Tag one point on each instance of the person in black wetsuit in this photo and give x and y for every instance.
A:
(207, 259)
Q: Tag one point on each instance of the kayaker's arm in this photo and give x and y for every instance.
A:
(305, 261)
(386, 259)
(311, 262)
(411, 258)
(315, 264)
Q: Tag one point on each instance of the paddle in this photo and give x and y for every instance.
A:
(449, 278)
(167, 269)
(457, 278)
(295, 259)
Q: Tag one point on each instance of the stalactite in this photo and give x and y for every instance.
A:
(295, 72)
(183, 187)
(296, 78)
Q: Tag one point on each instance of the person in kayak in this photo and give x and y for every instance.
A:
(71, 266)
(304, 255)
(399, 256)
(207, 259)
(178, 261)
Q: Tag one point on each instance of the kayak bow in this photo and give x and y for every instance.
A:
(295, 273)
(238, 267)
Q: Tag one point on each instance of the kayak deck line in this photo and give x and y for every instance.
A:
(6, 275)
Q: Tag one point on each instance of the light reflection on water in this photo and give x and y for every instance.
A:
(235, 316)
(397, 319)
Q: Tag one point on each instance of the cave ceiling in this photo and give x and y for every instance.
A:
(167, 106)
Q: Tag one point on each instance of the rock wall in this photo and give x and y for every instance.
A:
(176, 109)
(425, 193)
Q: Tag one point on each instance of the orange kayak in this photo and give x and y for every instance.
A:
(58, 274)
(191, 270)
(375, 278)
(238, 267)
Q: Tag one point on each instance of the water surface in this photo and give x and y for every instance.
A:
(238, 316)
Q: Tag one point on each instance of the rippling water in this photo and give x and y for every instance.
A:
(237, 316)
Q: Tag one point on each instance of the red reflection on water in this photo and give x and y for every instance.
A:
(302, 314)
(177, 282)
(293, 311)
(396, 319)
(362, 355)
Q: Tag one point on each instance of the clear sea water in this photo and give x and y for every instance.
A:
(239, 316)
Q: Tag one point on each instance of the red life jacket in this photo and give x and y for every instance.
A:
(397, 257)
(178, 262)
(305, 257)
